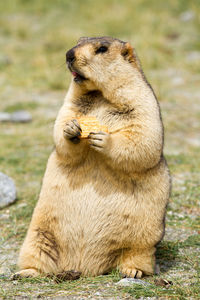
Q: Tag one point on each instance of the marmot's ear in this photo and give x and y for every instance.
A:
(127, 51)
(82, 39)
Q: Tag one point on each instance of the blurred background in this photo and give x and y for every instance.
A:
(34, 37)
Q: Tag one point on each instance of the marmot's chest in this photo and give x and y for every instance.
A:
(114, 117)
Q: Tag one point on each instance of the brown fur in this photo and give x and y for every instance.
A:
(103, 199)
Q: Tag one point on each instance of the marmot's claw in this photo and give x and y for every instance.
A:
(72, 131)
(76, 123)
(131, 273)
(15, 276)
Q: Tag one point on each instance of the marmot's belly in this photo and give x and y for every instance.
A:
(96, 227)
(92, 213)
(91, 218)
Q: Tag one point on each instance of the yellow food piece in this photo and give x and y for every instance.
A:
(90, 124)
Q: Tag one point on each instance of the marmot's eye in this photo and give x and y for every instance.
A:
(101, 49)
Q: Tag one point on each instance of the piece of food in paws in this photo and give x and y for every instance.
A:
(90, 124)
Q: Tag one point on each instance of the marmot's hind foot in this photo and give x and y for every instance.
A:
(27, 273)
(135, 264)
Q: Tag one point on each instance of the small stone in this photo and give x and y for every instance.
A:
(21, 116)
(4, 217)
(4, 117)
(7, 190)
(193, 56)
(97, 294)
(177, 80)
(131, 281)
(5, 60)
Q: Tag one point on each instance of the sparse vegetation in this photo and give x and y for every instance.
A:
(34, 38)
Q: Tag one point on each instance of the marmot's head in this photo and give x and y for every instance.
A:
(96, 58)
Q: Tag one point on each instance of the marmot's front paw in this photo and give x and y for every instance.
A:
(72, 131)
(99, 141)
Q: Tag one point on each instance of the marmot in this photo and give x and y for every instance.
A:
(103, 199)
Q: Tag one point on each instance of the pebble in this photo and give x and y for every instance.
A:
(4, 60)
(177, 80)
(187, 16)
(131, 281)
(97, 294)
(7, 190)
(4, 216)
(193, 56)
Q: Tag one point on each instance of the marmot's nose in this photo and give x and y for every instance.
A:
(70, 56)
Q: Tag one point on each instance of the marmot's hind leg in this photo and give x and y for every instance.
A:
(135, 263)
(39, 255)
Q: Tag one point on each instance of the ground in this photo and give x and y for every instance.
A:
(34, 36)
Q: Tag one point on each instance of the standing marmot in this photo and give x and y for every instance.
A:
(103, 199)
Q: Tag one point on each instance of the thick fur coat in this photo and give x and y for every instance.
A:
(103, 199)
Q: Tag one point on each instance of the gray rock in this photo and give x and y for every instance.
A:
(21, 116)
(4, 117)
(131, 281)
(7, 190)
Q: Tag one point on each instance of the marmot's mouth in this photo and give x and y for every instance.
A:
(78, 77)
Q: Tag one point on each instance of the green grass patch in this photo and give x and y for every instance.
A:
(21, 106)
